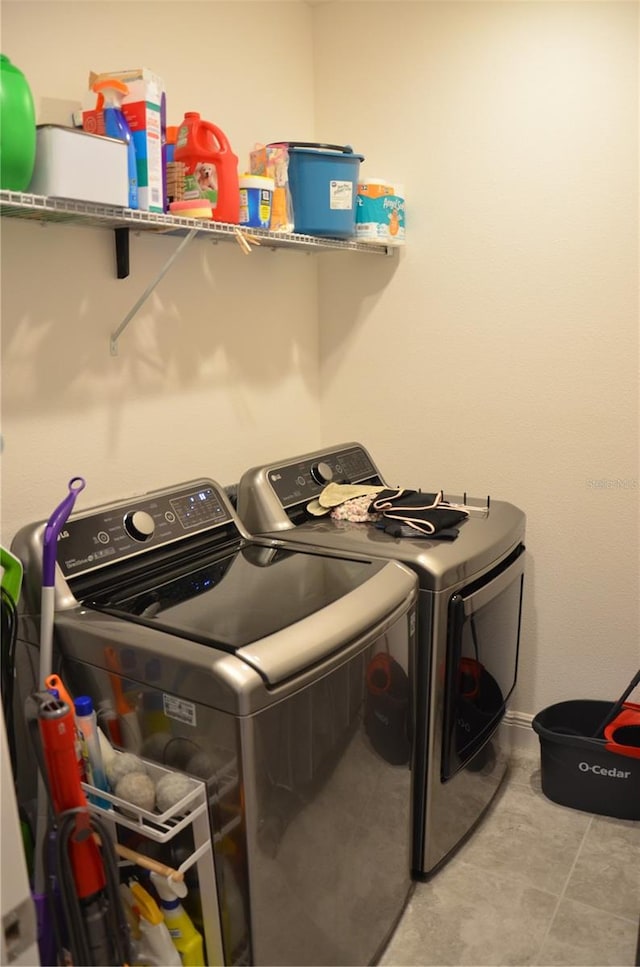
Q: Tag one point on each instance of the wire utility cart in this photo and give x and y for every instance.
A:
(190, 811)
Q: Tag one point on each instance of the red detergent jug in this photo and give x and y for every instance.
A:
(211, 167)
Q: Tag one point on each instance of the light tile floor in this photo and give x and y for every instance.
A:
(536, 883)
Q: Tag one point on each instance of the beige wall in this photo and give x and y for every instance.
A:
(499, 354)
(220, 367)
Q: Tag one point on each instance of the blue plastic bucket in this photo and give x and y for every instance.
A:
(323, 180)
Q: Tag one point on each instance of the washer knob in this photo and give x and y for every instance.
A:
(140, 525)
(321, 473)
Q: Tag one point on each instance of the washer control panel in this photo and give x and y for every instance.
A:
(303, 480)
(113, 533)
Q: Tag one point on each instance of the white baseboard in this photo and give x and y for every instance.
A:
(523, 738)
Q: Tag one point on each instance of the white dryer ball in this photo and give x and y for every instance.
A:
(120, 765)
(154, 746)
(202, 765)
(171, 788)
(138, 789)
(178, 751)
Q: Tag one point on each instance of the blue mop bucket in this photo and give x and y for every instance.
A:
(323, 180)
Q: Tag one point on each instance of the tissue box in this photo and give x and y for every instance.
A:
(142, 108)
(84, 167)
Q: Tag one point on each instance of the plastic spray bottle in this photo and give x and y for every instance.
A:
(155, 946)
(111, 93)
(186, 938)
(91, 753)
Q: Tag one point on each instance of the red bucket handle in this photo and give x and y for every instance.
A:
(629, 716)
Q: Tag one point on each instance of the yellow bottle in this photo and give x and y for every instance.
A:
(186, 939)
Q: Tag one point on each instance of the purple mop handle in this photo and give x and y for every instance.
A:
(46, 936)
(54, 525)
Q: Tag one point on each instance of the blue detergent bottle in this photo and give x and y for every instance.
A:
(111, 93)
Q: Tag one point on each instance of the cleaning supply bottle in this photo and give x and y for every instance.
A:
(18, 128)
(186, 938)
(58, 689)
(132, 917)
(172, 137)
(87, 726)
(211, 167)
(155, 946)
(111, 93)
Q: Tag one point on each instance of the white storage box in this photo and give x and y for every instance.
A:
(85, 167)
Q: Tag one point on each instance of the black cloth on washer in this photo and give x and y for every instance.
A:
(427, 521)
(395, 528)
(417, 513)
(404, 498)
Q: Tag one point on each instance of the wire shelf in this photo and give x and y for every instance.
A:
(66, 211)
(160, 827)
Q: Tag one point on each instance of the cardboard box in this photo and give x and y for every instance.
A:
(142, 108)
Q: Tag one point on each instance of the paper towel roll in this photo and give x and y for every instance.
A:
(380, 212)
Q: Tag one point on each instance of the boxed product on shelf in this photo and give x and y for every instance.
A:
(80, 166)
(142, 108)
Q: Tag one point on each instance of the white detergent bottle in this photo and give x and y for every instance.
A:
(183, 933)
(155, 947)
(87, 727)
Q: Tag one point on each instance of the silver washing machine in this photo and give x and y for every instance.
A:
(278, 675)
(469, 610)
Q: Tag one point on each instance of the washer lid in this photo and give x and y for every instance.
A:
(276, 609)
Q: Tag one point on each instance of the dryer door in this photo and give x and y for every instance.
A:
(483, 640)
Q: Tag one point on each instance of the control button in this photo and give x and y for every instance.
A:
(300, 481)
(103, 537)
(321, 473)
(139, 525)
(170, 517)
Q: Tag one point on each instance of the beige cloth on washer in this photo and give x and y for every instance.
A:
(335, 494)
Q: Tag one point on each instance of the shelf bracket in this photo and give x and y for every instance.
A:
(113, 342)
(122, 252)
